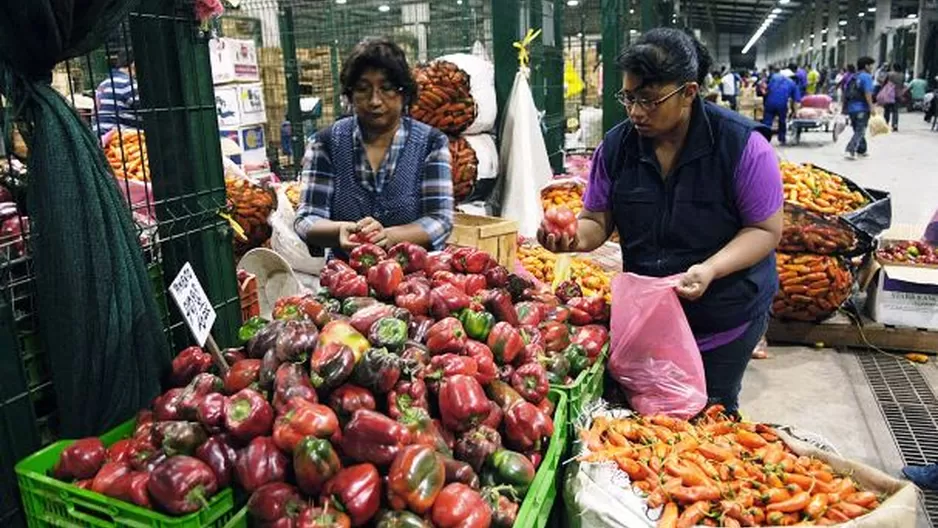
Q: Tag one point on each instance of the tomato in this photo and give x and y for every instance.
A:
(560, 221)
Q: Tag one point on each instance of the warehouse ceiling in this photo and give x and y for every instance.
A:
(722, 16)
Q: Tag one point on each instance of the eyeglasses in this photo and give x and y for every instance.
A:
(386, 91)
(647, 105)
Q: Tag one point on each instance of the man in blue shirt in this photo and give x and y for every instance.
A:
(858, 95)
(779, 91)
(116, 97)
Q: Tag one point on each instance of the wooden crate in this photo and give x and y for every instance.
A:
(496, 236)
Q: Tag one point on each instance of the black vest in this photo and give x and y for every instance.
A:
(667, 226)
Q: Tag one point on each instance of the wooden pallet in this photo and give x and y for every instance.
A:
(840, 331)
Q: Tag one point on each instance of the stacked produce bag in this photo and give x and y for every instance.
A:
(250, 204)
(412, 388)
(456, 94)
(816, 274)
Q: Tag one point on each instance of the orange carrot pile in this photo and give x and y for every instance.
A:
(127, 155)
(818, 190)
(719, 472)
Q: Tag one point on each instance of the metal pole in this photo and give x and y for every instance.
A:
(612, 35)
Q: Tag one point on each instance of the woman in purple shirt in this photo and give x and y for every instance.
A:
(692, 189)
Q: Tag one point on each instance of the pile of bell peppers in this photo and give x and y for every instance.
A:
(410, 390)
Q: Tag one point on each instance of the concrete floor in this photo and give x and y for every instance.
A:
(821, 390)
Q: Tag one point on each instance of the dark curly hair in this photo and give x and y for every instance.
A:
(666, 55)
(379, 54)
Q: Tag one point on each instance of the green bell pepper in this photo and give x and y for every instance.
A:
(477, 324)
(509, 468)
(578, 358)
(388, 332)
(251, 327)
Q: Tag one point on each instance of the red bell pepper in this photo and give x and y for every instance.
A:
(415, 479)
(248, 415)
(447, 277)
(410, 256)
(119, 451)
(416, 355)
(379, 369)
(446, 366)
(166, 405)
(187, 364)
(275, 501)
(595, 305)
(530, 380)
(531, 335)
(335, 271)
(84, 484)
(556, 336)
(302, 419)
(485, 362)
(108, 474)
(322, 518)
(181, 484)
(291, 381)
(504, 511)
(496, 277)
(578, 317)
(144, 455)
(438, 262)
(567, 290)
(499, 303)
(218, 453)
(345, 334)
(475, 283)
(385, 277)
(505, 342)
(363, 257)
(449, 438)
(593, 339)
(331, 365)
(471, 260)
(526, 427)
(131, 487)
(547, 407)
(459, 471)
(530, 313)
(503, 394)
(542, 294)
(233, 355)
(459, 506)
(477, 445)
(413, 296)
(407, 394)
(356, 286)
(81, 460)
(242, 374)
(424, 430)
(373, 437)
(531, 353)
(348, 398)
(494, 419)
(446, 336)
(259, 463)
(558, 314)
(200, 386)
(314, 462)
(211, 412)
(446, 300)
(505, 372)
(463, 403)
(356, 491)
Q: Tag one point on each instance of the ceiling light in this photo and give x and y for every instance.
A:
(824, 30)
(771, 17)
(579, 35)
(783, 2)
(573, 3)
(341, 2)
(633, 32)
(384, 8)
(842, 23)
(810, 48)
(458, 2)
(912, 15)
(871, 9)
(631, 11)
(812, 35)
(777, 10)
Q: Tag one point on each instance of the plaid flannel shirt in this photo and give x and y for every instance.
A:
(318, 184)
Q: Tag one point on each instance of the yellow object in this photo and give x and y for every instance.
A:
(524, 57)
(562, 270)
(917, 358)
(235, 226)
(573, 84)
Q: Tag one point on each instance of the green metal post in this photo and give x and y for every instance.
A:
(184, 153)
(613, 33)
(292, 79)
(505, 56)
(554, 120)
(649, 15)
(583, 56)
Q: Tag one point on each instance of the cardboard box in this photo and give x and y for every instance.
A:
(233, 60)
(905, 296)
(252, 140)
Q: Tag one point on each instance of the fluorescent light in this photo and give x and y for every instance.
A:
(631, 11)
(573, 3)
(812, 35)
(384, 8)
(842, 23)
(771, 16)
(861, 15)
(824, 30)
(777, 10)
(578, 35)
(341, 2)
(912, 15)
(633, 32)
(458, 2)
(871, 9)
(783, 2)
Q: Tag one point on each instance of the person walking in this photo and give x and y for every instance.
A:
(781, 93)
(917, 87)
(890, 95)
(728, 88)
(858, 99)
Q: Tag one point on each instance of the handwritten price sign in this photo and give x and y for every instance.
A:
(193, 303)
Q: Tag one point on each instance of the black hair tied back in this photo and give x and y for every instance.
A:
(667, 55)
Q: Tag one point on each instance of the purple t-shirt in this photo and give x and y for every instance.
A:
(758, 196)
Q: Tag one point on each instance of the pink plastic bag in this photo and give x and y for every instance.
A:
(654, 355)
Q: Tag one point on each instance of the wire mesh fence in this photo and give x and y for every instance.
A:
(147, 94)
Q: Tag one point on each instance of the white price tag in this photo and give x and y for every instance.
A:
(193, 303)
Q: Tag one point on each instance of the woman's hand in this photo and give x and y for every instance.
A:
(695, 282)
(556, 244)
(371, 230)
(346, 244)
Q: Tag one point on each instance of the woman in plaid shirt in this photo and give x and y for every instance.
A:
(378, 176)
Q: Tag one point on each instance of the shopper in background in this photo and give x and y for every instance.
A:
(781, 93)
(858, 100)
(813, 78)
(925, 477)
(801, 77)
(728, 88)
(895, 79)
(378, 174)
(917, 87)
(116, 97)
(693, 189)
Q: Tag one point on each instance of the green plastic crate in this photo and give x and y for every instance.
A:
(538, 503)
(51, 502)
(585, 389)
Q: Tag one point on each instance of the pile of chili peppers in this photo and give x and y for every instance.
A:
(411, 390)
